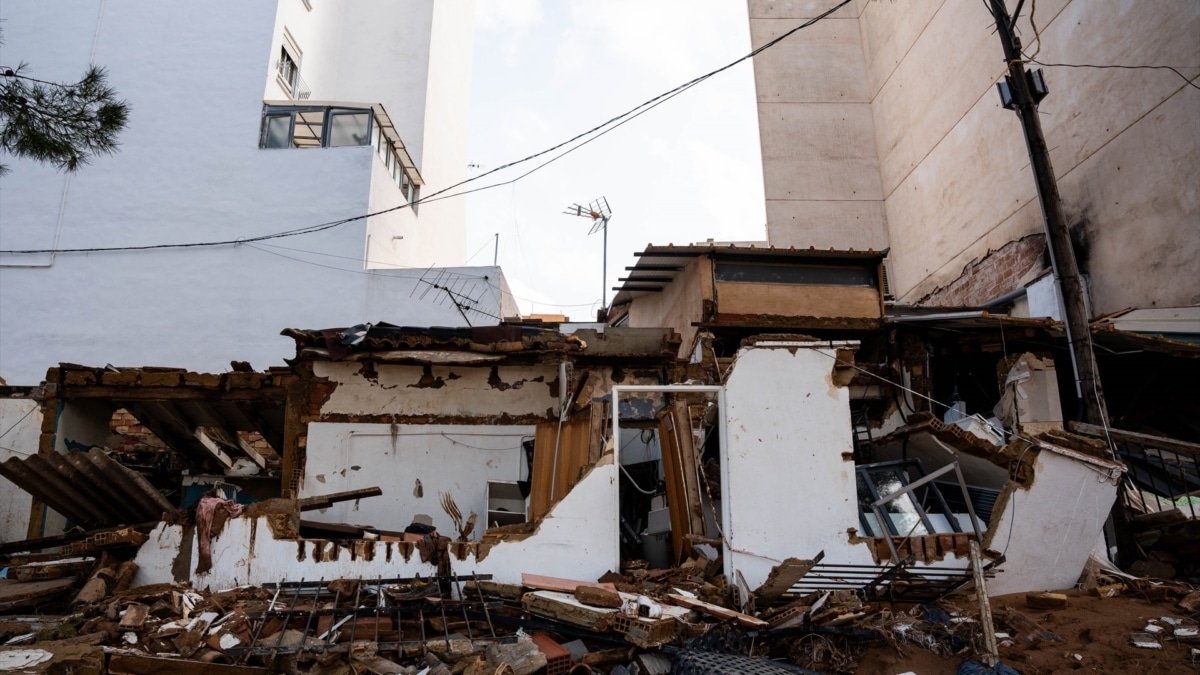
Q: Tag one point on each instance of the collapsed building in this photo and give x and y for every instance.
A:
(791, 388)
(764, 415)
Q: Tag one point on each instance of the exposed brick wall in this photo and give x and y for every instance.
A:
(123, 422)
(993, 275)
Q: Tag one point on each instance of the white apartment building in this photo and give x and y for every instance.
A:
(248, 119)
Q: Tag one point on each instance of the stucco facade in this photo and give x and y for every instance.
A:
(190, 169)
(881, 127)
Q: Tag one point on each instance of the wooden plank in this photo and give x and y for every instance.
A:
(1132, 436)
(19, 594)
(567, 609)
(325, 501)
(552, 480)
(797, 300)
(253, 454)
(179, 393)
(717, 611)
(559, 584)
(681, 476)
(213, 448)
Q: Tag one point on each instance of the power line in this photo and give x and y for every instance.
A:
(495, 286)
(598, 130)
(374, 273)
(1191, 81)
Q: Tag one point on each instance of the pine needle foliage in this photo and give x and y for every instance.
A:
(64, 125)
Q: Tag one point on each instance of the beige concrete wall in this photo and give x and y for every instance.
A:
(951, 163)
(678, 305)
(820, 170)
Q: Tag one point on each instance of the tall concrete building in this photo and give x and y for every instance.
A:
(881, 127)
(248, 119)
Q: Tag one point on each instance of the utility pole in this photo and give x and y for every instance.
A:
(1062, 255)
(1058, 236)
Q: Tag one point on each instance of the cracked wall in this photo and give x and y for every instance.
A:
(519, 391)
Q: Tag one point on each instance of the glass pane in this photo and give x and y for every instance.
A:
(279, 131)
(307, 133)
(903, 511)
(798, 273)
(349, 129)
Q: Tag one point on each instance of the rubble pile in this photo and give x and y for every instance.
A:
(687, 619)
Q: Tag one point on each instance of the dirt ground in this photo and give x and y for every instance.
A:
(1095, 629)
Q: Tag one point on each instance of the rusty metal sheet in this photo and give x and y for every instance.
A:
(90, 488)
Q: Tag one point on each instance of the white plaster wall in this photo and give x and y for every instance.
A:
(189, 170)
(454, 459)
(415, 58)
(444, 158)
(467, 391)
(1053, 525)
(318, 35)
(578, 539)
(392, 237)
(20, 429)
(788, 491)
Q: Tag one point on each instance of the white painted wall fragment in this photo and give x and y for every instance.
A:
(20, 429)
(576, 539)
(413, 465)
(789, 483)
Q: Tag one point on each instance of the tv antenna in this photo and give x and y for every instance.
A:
(463, 292)
(600, 214)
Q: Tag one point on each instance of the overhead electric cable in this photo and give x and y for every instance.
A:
(598, 130)
(1191, 81)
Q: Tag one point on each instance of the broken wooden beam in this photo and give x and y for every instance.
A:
(717, 611)
(325, 501)
(206, 437)
(545, 583)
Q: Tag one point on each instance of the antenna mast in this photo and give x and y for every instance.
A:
(600, 214)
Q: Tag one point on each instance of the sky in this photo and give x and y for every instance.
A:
(686, 171)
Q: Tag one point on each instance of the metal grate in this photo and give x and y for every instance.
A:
(902, 582)
(709, 663)
(1162, 478)
(377, 602)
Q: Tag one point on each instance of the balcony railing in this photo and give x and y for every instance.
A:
(290, 81)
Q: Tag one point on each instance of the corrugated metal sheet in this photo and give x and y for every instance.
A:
(657, 266)
(89, 488)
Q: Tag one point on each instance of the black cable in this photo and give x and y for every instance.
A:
(1191, 82)
(603, 128)
(373, 273)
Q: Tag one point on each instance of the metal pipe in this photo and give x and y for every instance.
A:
(1006, 298)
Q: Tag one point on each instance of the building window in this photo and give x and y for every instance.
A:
(796, 273)
(277, 131)
(314, 127)
(349, 128)
(311, 126)
(287, 69)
